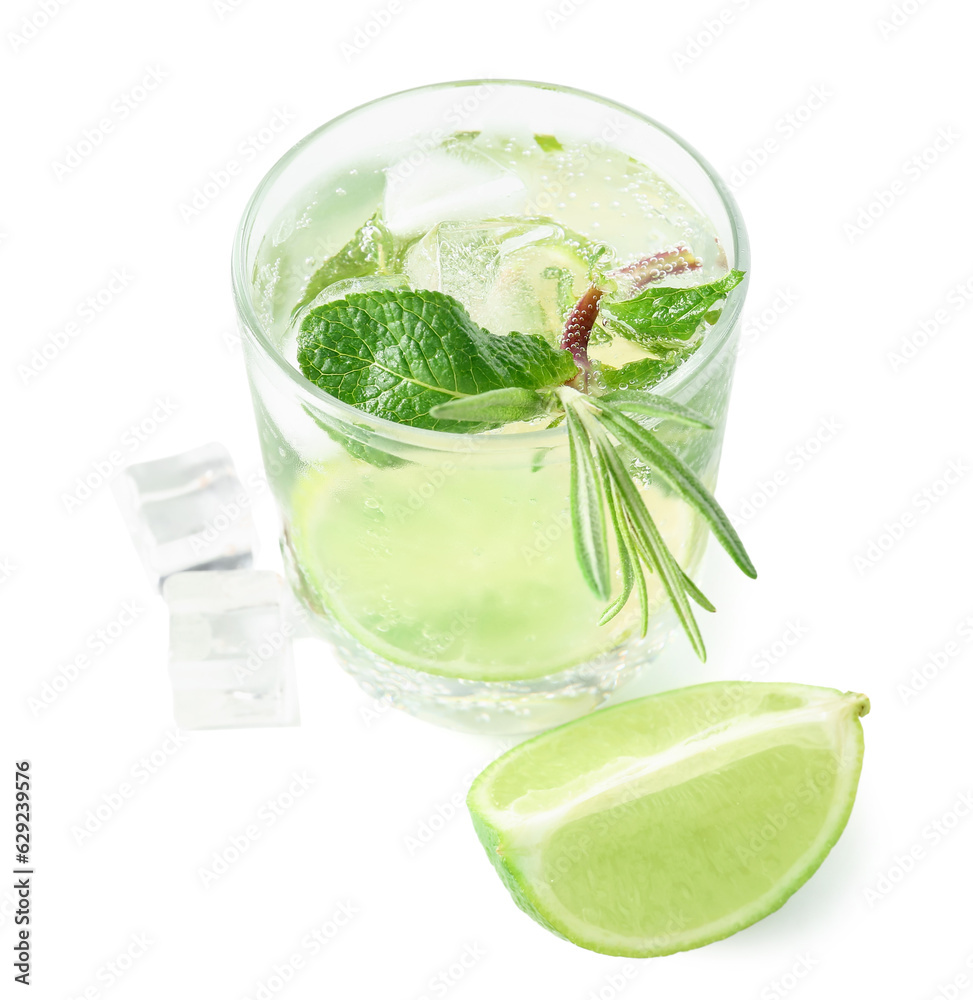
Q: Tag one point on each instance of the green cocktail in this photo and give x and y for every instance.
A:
(445, 565)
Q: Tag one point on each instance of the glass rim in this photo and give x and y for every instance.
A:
(446, 440)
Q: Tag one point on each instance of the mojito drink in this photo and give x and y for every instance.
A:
(444, 563)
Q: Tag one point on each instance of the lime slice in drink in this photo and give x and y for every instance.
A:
(668, 822)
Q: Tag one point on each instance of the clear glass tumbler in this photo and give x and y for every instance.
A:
(441, 566)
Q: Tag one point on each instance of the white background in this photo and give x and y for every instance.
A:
(831, 304)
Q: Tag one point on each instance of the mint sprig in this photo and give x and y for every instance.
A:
(646, 373)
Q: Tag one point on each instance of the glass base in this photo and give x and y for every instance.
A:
(497, 708)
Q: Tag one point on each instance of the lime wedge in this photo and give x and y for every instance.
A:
(668, 822)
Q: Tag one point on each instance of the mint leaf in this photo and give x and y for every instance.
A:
(660, 317)
(399, 354)
(548, 143)
(640, 374)
(367, 252)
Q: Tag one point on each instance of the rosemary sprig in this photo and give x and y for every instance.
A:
(592, 424)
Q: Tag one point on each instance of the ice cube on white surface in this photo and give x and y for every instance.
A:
(454, 183)
(230, 655)
(187, 512)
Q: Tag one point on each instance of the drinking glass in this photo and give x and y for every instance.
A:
(441, 566)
